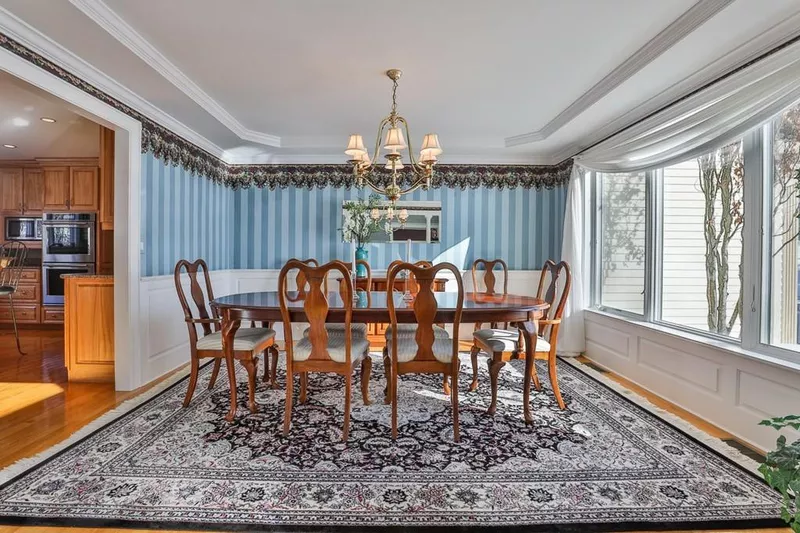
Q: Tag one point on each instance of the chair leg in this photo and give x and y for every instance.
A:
(366, 372)
(347, 393)
(495, 364)
(214, 373)
(266, 378)
(287, 413)
(251, 365)
(446, 384)
(387, 371)
(536, 383)
(393, 394)
(303, 386)
(551, 364)
(195, 368)
(14, 320)
(274, 370)
(454, 401)
(473, 353)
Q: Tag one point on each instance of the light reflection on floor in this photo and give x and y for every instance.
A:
(17, 396)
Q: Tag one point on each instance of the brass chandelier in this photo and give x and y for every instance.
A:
(394, 142)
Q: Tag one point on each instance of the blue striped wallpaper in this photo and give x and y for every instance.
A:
(523, 226)
(184, 216)
(187, 216)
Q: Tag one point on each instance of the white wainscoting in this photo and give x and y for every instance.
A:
(728, 389)
(164, 338)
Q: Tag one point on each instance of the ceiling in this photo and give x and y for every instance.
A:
(502, 81)
(21, 108)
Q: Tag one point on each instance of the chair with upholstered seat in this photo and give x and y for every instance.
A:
(503, 345)
(359, 329)
(424, 352)
(247, 344)
(323, 349)
(12, 261)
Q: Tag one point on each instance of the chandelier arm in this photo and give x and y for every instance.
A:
(416, 185)
(416, 168)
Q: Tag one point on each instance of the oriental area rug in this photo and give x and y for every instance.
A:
(609, 462)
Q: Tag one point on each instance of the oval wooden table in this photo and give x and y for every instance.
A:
(523, 312)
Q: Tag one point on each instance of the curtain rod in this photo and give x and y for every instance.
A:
(703, 87)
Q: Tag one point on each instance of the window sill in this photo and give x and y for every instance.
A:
(727, 347)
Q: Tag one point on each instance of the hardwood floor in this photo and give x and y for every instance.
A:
(39, 408)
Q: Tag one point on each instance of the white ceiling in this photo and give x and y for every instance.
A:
(21, 108)
(502, 81)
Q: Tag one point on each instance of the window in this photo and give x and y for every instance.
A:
(782, 148)
(710, 245)
(702, 220)
(622, 272)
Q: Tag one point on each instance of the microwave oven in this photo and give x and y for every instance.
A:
(23, 229)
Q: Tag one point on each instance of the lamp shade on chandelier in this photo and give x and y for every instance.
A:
(391, 132)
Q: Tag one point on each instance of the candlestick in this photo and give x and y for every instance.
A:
(407, 296)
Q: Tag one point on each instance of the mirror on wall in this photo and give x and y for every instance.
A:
(422, 225)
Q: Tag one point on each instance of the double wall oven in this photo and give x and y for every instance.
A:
(68, 247)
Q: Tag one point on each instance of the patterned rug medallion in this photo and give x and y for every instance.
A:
(603, 464)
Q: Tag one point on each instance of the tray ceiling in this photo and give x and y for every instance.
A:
(505, 81)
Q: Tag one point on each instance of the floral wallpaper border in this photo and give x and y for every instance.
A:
(175, 150)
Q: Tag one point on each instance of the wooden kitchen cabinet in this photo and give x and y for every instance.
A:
(106, 179)
(27, 299)
(11, 190)
(83, 189)
(74, 188)
(89, 327)
(32, 191)
(56, 188)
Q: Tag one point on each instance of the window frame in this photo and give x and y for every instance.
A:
(757, 267)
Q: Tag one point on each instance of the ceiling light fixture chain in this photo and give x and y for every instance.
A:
(394, 142)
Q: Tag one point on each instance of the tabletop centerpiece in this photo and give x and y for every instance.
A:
(361, 224)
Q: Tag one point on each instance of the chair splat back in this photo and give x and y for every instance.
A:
(315, 305)
(413, 287)
(553, 271)
(12, 261)
(489, 278)
(424, 305)
(196, 292)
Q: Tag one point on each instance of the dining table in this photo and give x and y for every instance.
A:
(519, 311)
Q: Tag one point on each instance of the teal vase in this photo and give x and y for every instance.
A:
(361, 253)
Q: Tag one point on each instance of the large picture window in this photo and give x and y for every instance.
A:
(710, 245)
(701, 235)
(622, 269)
(782, 147)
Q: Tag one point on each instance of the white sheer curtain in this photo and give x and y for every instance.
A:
(571, 337)
(704, 121)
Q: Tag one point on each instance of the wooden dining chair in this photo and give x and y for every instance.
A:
(248, 342)
(423, 352)
(503, 345)
(359, 329)
(489, 283)
(321, 350)
(12, 260)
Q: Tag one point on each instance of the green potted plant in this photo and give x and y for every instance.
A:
(363, 221)
(781, 469)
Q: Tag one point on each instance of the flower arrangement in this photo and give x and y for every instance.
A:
(361, 225)
(781, 469)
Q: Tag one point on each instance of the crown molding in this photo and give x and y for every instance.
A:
(114, 25)
(452, 159)
(689, 21)
(39, 43)
(774, 37)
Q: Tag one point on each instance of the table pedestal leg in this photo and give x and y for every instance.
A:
(229, 328)
(530, 332)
